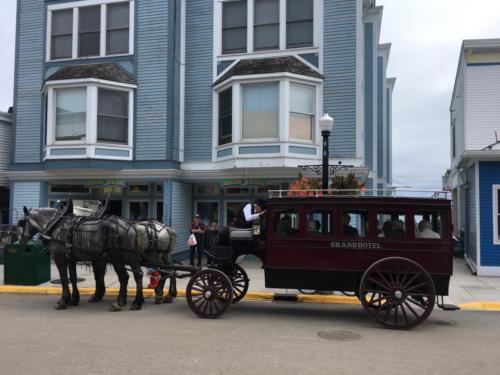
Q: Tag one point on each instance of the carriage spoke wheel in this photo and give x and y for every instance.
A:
(239, 280)
(397, 292)
(209, 293)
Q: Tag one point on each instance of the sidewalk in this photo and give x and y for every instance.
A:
(466, 290)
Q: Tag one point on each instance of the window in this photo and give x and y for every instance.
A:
(138, 189)
(319, 223)
(61, 34)
(89, 27)
(391, 224)
(354, 223)
(225, 116)
(112, 116)
(428, 225)
(496, 214)
(159, 211)
(299, 23)
(234, 26)
(71, 114)
(266, 24)
(209, 211)
(286, 223)
(301, 112)
(209, 189)
(260, 110)
(117, 35)
(113, 16)
(232, 209)
(138, 210)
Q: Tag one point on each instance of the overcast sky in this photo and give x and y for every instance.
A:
(426, 36)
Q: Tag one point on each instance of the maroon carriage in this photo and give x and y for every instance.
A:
(395, 254)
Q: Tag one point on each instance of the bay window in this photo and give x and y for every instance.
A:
(225, 116)
(102, 28)
(299, 23)
(301, 112)
(266, 24)
(260, 110)
(234, 26)
(71, 114)
(112, 116)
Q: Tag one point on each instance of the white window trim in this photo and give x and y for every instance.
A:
(317, 29)
(495, 189)
(285, 80)
(92, 86)
(74, 45)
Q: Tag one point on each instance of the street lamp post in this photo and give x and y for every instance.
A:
(326, 126)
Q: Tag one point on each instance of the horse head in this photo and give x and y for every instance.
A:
(35, 221)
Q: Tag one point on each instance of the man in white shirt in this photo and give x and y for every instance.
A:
(256, 213)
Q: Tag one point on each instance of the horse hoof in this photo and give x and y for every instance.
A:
(168, 299)
(95, 298)
(158, 300)
(115, 307)
(60, 306)
(135, 306)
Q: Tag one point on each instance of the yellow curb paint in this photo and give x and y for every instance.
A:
(481, 305)
(342, 300)
(259, 296)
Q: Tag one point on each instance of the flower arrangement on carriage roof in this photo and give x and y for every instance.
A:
(341, 185)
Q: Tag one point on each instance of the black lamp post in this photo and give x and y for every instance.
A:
(326, 126)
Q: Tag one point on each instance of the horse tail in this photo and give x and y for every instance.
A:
(172, 234)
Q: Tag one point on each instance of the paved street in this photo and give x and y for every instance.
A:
(252, 338)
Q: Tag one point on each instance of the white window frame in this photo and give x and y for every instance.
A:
(92, 86)
(75, 5)
(317, 28)
(285, 80)
(495, 189)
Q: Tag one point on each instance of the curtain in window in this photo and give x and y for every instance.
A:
(266, 24)
(301, 112)
(260, 110)
(117, 37)
(299, 23)
(61, 34)
(71, 107)
(112, 116)
(234, 27)
(89, 26)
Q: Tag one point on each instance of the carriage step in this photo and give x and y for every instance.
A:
(449, 307)
(285, 297)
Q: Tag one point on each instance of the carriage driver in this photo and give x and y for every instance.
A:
(251, 213)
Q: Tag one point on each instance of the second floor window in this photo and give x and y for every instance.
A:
(225, 116)
(260, 110)
(299, 23)
(117, 28)
(234, 27)
(301, 112)
(89, 26)
(61, 34)
(71, 114)
(112, 116)
(266, 24)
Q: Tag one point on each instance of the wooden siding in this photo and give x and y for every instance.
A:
(29, 79)
(152, 68)
(489, 174)
(470, 221)
(369, 97)
(482, 93)
(181, 213)
(5, 149)
(339, 95)
(24, 194)
(199, 75)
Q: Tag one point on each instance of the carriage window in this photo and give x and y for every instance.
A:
(355, 223)
(286, 223)
(428, 225)
(319, 223)
(391, 224)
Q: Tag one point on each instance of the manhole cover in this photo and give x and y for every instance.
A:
(339, 335)
(58, 281)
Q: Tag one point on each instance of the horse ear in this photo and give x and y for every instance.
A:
(26, 211)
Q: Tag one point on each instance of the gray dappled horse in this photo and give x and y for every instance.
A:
(121, 241)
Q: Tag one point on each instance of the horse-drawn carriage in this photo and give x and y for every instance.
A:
(394, 254)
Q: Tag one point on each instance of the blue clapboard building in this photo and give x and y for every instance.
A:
(176, 107)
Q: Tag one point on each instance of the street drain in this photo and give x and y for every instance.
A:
(339, 335)
(58, 281)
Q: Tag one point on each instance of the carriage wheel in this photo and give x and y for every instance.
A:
(209, 293)
(239, 280)
(397, 292)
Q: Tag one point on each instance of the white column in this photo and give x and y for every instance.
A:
(104, 21)
(48, 45)
(284, 114)
(250, 11)
(51, 123)
(282, 24)
(131, 33)
(91, 115)
(74, 51)
(237, 113)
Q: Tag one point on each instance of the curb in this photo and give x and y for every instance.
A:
(254, 296)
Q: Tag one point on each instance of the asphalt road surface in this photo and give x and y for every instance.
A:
(251, 338)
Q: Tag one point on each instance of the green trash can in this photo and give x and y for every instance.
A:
(28, 265)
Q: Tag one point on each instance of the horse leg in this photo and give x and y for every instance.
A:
(139, 297)
(159, 289)
(99, 267)
(75, 295)
(121, 300)
(62, 267)
(172, 290)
